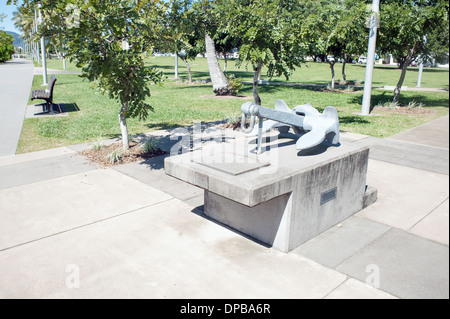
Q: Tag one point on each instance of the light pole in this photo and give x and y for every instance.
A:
(176, 65)
(374, 21)
(419, 79)
(44, 63)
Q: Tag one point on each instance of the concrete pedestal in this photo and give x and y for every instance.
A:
(281, 200)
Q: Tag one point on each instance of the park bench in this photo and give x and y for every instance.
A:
(47, 96)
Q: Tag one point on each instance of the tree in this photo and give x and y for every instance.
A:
(267, 30)
(350, 33)
(108, 40)
(225, 43)
(210, 22)
(404, 27)
(182, 34)
(336, 29)
(6, 46)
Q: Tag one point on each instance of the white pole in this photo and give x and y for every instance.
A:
(35, 43)
(365, 110)
(176, 65)
(419, 80)
(44, 62)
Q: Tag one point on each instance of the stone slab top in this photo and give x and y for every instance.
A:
(236, 172)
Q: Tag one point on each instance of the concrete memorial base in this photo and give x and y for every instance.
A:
(283, 197)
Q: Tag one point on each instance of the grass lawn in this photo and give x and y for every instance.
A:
(313, 73)
(94, 117)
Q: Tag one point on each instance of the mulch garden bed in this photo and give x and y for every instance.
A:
(101, 155)
(402, 110)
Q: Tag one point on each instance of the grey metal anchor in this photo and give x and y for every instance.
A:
(302, 118)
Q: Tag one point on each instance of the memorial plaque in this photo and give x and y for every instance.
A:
(327, 196)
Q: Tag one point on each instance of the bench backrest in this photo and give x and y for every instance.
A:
(51, 85)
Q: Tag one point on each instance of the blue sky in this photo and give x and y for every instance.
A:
(7, 24)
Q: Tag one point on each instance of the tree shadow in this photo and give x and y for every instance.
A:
(161, 126)
(353, 119)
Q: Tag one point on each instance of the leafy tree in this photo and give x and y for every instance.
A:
(335, 28)
(225, 43)
(182, 34)
(6, 46)
(404, 27)
(351, 33)
(437, 43)
(109, 39)
(268, 32)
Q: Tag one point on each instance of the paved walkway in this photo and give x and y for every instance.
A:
(72, 230)
(16, 78)
(431, 133)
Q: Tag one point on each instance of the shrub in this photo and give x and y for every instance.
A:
(6, 46)
(235, 84)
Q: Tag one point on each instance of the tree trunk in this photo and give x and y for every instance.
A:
(255, 83)
(123, 126)
(188, 67)
(344, 77)
(400, 81)
(405, 64)
(332, 74)
(221, 85)
(226, 62)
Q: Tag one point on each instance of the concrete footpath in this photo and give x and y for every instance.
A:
(69, 229)
(16, 78)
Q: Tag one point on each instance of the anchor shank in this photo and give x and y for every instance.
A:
(282, 117)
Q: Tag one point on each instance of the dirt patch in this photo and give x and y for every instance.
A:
(102, 155)
(350, 90)
(233, 126)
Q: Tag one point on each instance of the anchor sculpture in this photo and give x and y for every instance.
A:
(303, 118)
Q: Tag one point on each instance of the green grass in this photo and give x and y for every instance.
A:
(57, 64)
(313, 73)
(93, 116)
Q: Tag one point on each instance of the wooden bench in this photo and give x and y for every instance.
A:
(47, 96)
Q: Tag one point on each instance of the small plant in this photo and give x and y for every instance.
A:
(234, 118)
(414, 105)
(235, 84)
(115, 156)
(149, 146)
(393, 105)
(98, 146)
(349, 89)
(233, 121)
(390, 105)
